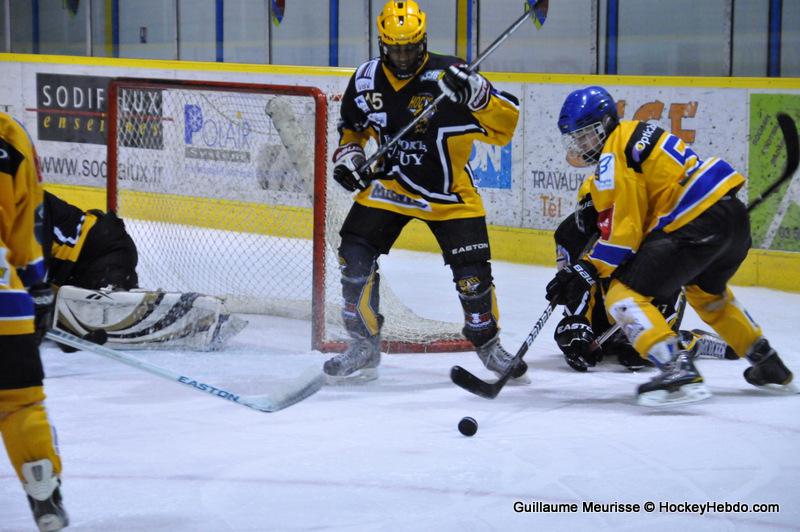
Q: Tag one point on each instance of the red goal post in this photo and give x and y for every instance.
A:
(224, 188)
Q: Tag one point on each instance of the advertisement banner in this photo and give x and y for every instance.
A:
(71, 108)
(707, 120)
(776, 223)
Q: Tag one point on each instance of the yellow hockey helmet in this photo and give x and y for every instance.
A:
(402, 37)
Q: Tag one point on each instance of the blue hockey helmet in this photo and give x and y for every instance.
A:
(587, 117)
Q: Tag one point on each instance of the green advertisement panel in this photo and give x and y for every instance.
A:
(776, 223)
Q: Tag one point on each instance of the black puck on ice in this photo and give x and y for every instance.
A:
(97, 336)
(467, 426)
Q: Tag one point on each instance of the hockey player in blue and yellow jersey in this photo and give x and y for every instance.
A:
(667, 219)
(25, 313)
(425, 175)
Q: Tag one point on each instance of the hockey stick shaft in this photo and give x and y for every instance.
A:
(538, 13)
(789, 130)
(489, 390)
(306, 385)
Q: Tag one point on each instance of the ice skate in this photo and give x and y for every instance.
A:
(359, 363)
(679, 382)
(44, 495)
(498, 360)
(768, 371)
(705, 344)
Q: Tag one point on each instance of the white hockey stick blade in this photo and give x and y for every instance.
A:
(280, 397)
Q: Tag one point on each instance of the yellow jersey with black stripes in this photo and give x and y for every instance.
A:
(426, 174)
(648, 180)
(21, 261)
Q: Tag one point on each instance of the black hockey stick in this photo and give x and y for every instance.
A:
(534, 9)
(489, 390)
(789, 130)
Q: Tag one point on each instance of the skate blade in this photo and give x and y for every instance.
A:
(358, 377)
(690, 393)
(780, 389)
(51, 523)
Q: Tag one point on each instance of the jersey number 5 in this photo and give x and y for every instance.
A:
(375, 100)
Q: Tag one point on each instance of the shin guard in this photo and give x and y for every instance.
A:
(360, 289)
(476, 293)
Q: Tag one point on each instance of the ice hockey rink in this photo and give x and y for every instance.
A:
(143, 454)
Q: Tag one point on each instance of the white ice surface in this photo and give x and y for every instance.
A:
(144, 454)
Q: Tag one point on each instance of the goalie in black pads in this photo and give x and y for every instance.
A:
(92, 262)
(667, 219)
(425, 176)
(586, 322)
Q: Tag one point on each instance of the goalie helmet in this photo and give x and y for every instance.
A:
(587, 118)
(402, 37)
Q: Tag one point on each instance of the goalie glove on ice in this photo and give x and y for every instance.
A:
(347, 159)
(465, 87)
(571, 283)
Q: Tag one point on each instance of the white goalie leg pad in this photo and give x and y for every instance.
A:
(142, 319)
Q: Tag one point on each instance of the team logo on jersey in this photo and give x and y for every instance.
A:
(431, 75)
(605, 172)
(378, 119)
(384, 195)
(641, 144)
(365, 76)
(361, 103)
(417, 103)
(605, 219)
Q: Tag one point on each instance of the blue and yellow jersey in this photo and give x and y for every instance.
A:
(649, 180)
(21, 262)
(425, 174)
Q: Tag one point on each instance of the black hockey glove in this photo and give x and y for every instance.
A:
(347, 159)
(570, 283)
(465, 88)
(43, 300)
(576, 339)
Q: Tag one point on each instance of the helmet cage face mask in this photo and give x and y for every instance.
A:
(403, 60)
(585, 143)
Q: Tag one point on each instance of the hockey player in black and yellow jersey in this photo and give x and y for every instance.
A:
(667, 219)
(89, 249)
(425, 175)
(25, 309)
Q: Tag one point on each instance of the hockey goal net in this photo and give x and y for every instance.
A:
(224, 187)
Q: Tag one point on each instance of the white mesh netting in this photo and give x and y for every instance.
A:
(216, 185)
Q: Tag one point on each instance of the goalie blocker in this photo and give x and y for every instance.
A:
(147, 319)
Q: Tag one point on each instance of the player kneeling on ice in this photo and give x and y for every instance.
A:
(420, 177)
(585, 334)
(93, 260)
(667, 219)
